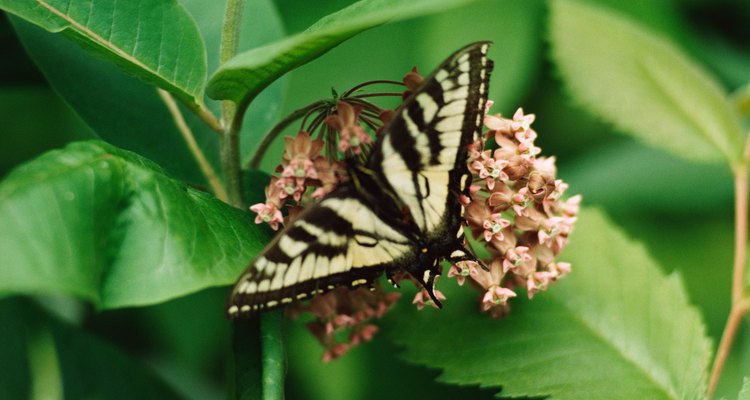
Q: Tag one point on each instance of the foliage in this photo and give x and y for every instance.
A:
(592, 329)
(127, 232)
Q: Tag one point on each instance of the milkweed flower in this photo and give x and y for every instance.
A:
(516, 210)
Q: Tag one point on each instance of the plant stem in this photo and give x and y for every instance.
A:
(246, 370)
(230, 165)
(230, 141)
(217, 188)
(274, 361)
(740, 304)
(270, 358)
(740, 233)
(276, 130)
(207, 117)
(730, 330)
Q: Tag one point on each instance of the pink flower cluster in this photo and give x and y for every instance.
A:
(516, 211)
(302, 166)
(347, 312)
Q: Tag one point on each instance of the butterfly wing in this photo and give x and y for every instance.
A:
(340, 241)
(422, 154)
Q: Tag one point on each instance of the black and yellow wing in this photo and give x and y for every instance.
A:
(340, 241)
(423, 155)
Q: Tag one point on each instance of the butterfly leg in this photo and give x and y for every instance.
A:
(426, 277)
(390, 274)
(461, 253)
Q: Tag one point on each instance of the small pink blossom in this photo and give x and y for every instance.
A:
(269, 212)
(493, 227)
(516, 258)
(351, 134)
(291, 187)
(496, 295)
(422, 298)
(363, 334)
(462, 269)
(522, 122)
(538, 281)
(491, 277)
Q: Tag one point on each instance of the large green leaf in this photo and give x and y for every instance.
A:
(642, 84)
(244, 76)
(52, 359)
(130, 114)
(156, 40)
(120, 108)
(615, 328)
(109, 226)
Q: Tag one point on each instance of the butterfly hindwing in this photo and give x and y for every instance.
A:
(338, 242)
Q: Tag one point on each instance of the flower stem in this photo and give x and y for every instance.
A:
(269, 353)
(740, 233)
(276, 130)
(740, 304)
(730, 329)
(217, 188)
(230, 140)
(274, 361)
(246, 379)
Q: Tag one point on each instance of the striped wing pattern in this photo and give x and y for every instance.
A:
(339, 241)
(423, 156)
(354, 234)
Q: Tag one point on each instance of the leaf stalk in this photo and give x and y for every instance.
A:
(230, 140)
(740, 303)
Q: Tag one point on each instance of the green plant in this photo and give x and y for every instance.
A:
(132, 227)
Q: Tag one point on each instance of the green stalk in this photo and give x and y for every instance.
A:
(230, 141)
(740, 300)
(274, 360)
(259, 363)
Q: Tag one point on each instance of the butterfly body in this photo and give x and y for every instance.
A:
(399, 211)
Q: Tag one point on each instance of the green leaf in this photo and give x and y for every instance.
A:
(642, 84)
(24, 138)
(623, 176)
(156, 40)
(261, 24)
(745, 392)
(67, 362)
(615, 328)
(107, 225)
(245, 75)
(130, 114)
(121, 109)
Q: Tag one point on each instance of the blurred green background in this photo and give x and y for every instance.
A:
(682, 212)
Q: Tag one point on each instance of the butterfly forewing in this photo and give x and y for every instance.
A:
(423, 154)
(339, 241)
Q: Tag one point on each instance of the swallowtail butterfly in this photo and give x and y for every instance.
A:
(399, 211)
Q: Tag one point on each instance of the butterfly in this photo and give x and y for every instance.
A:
(399, 210)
